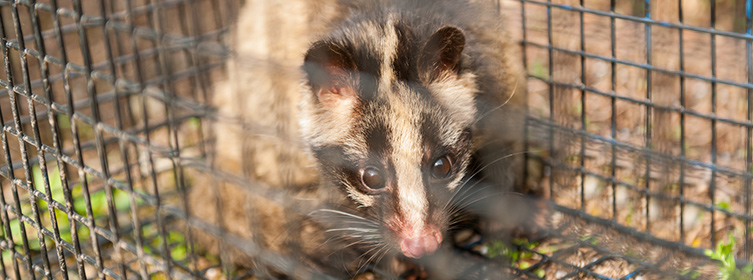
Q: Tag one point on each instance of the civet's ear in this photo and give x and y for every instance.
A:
(441, 54)
(331, 73)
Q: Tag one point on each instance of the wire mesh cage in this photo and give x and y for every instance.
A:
(91, 155)
(647, 105)
(122, 158)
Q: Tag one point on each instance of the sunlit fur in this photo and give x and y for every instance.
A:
(401, 123)
(398, 121)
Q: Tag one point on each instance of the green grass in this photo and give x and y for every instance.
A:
(99, 206)
(176, 242)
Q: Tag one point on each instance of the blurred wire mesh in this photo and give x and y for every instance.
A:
(640, 112)
(645, 110)
(101, 101)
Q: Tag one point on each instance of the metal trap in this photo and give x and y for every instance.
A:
(640, 117)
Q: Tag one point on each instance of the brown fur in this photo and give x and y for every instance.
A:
(262, 98)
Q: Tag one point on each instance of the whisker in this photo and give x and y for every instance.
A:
(460, 219)
(454, 226)
(370, 224)
(354, 243)
(351, 229)
(462, 189)
(470, 195)
(455, 210)
(514, 91)
(493, 162)
(482, 198)
(383, 254)
(332, 240)
(368, 251)
(367, 261)
(464, 193)
(333, 211)
(358, 238)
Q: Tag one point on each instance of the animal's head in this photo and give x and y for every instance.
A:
(388, 113)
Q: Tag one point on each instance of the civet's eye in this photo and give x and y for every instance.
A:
(372, 178)
(441, 168)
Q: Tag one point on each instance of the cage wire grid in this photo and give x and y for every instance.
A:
(664, 99)
(99, 189)
(80, 86)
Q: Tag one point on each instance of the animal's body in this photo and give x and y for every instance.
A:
(371, 117)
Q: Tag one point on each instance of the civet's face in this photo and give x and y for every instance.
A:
(389, 117)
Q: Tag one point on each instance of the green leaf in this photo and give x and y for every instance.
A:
(36, 175)
(525, 255)
(540, 272)
(538, 69)
(724, 205)
(99, 203)
(15, 230)
(725, 254)
(178, 253)
(194, 123)
(496, 249)
(83, 233)
(122, 200)
(63, 121)
(66, 236)
(176, 237)
(7, 255)
(748, 269)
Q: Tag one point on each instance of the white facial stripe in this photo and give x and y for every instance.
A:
(449, 133)
(353, 193)
(389, 43)
(406, 155)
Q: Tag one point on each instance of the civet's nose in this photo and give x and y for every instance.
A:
(420, 243)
